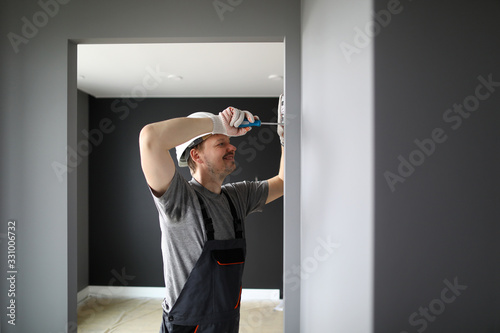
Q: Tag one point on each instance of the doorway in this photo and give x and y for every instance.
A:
(144, 88)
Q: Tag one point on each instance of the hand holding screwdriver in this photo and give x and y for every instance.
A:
(257, 122)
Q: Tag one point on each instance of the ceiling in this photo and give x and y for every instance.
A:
(181, 70)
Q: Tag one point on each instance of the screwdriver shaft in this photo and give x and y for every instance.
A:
(264, 123)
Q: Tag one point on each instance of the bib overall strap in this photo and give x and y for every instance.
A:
(238, 225)
(209, 225)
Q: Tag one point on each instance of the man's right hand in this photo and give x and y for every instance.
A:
(227, 122)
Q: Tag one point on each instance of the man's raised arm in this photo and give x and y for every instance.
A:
(155, 141)
(276, 184)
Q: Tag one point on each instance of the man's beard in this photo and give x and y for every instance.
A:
(221, 174)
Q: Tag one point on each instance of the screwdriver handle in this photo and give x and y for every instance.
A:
(246, 123)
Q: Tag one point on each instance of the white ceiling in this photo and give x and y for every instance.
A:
(206, 69)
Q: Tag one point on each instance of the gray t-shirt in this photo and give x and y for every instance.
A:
(182, 229)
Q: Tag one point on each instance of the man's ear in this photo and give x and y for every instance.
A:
(195, 155)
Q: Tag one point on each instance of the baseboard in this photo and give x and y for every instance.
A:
(82, 294)
(159, 292)
(260, 294)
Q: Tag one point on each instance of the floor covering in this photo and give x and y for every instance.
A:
(144, 315)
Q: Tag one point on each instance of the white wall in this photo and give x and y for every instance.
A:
(337, 170)
(82, 189)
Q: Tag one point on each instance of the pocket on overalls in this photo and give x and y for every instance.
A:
(184, 329)
(228, 272)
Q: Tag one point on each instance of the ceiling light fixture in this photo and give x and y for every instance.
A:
(275, 77)
(174, 77)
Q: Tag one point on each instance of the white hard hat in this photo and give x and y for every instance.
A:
(182, 150)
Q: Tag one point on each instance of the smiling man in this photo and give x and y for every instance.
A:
(201, 220)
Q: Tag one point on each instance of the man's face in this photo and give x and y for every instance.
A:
(218, 155)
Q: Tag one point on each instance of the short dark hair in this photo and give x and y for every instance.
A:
(190, 162)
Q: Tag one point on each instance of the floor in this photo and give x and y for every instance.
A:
(124, 315)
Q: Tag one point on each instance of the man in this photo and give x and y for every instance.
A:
(203, 243)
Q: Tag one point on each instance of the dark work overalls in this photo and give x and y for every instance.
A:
(210, 300)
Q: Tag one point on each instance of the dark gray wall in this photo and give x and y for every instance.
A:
(124, 230)
(441, 225)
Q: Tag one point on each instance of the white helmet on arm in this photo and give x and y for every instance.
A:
(182, 151)
(226, 123)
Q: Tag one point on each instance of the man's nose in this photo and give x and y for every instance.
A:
(232, 148)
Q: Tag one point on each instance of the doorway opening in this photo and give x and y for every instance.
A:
(142, 84)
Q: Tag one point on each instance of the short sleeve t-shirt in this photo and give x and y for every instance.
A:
(182, 229)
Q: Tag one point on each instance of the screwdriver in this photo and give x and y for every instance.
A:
(257, 122)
